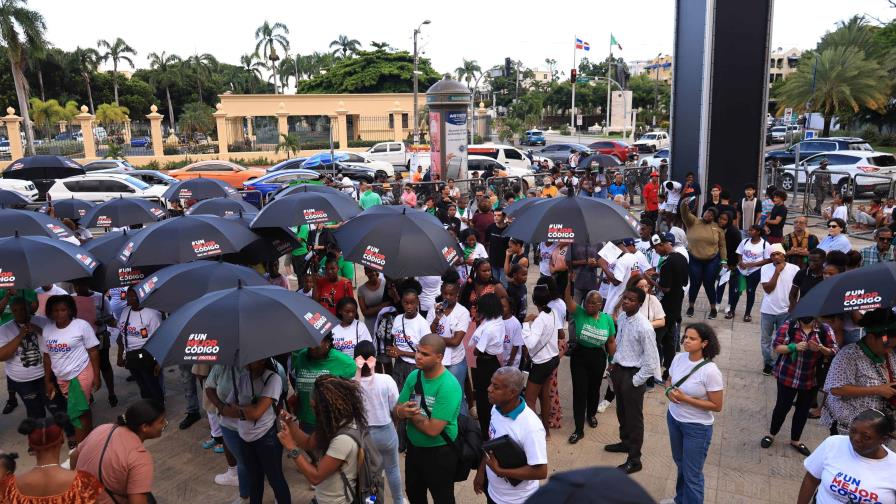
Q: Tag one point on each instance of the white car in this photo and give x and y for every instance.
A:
(25, 188)
(881, 166)
(108, 166)
(652, 142)
(509, 156)
(655, 160)
(361, 158)
(104, 187)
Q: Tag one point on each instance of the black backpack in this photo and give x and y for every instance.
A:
(468, 443)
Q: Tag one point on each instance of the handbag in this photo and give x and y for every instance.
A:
(150, 499)
(685, 377)
(138, 359)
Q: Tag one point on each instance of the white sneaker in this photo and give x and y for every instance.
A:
(603, 405)
(228, 478)
(668, 501)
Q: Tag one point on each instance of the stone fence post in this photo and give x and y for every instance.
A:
(13, 130)
(155, 131)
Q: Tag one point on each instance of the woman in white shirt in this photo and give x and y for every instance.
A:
(350, 330)
(488, 339)
(694, 389)
(380, 395)
(472, 250)
(540, 336)
(407, 330)
(135, 326)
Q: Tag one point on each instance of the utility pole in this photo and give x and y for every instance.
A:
(609, 66)
(416, 61)
(572, 110)
(656, 88)
(516, 94)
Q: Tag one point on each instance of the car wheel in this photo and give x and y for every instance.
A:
(787, 182)
(381, 174)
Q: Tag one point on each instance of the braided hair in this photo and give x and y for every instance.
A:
(473, 279)
(337, 404)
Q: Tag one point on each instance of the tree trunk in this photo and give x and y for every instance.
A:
(170, 109)
(199, 85)
(40, 82)
(115, 80)
(826, 131)
(21, 86)
(274, 70)
(89, 93)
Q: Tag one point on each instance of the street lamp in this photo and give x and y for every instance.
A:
(416, 126)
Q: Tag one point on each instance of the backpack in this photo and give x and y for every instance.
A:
(370, 468)
(468, 443)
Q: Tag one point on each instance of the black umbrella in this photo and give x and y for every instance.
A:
(859, 289)
(12, 199)
(43, 170)
(122, 212)
(569, 219)
(222, 207)
(31, 224)
(520, 204)
(601, 160)
(32, 261)
(71, 208)
(309, 188)
(112, 272)
(604, 485)
(272, 242)
(240, 325)
(398, 242)
(174, 286)
(199, 189)
(306, 208)
(185, 239)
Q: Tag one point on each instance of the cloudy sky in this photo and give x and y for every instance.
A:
(481, 30)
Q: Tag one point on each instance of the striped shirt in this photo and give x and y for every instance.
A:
(636, 347)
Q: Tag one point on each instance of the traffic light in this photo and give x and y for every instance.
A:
(572, 75)
(507, 64)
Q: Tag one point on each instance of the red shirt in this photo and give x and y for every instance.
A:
(480, 223)
(331, 292)
(651, 197)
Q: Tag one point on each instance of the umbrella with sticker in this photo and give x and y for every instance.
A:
(859, 289)
(572, 219)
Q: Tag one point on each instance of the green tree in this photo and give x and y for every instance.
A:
(197, 118)
(167, 74)
(21, 31)
(118, 52)
(372, 72)
(202, 65)
(289, 143)
(36, 57)
(345, 47)
(46, 113)
(111, 116)
(380, 46)
(251, 67)
(268, 37)
(287, 70)
(86, 61)
(469, 71)
(552, 67)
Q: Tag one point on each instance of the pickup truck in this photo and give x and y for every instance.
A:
(396, 153)
(652, 142)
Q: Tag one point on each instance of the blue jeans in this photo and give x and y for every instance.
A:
(690, 442)
(768, 327)
(734, 293)
(264, 459)
(498, 274)
(33, 394)
(189, 382)
(459, 371)
(703, 272)
(385, 438)
(233, 443)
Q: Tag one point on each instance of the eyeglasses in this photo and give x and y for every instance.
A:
(832, 226)
(885, 238)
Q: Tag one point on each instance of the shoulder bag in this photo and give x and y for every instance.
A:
(685, 377)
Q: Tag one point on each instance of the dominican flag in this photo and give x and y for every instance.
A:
(580, 44)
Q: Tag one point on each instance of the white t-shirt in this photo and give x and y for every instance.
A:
(54, 290)
(673, 196)
(513, 337)
(431, 286)
(137, 326)
(778, 301)
(528, 432)
(541, 333)
(646, 248)
(346, 338)
(68, 347)
(840, 213)
(457, 320)
(622, 270)
(752, 253)
(464, 269)
(489, 336)
(558, 308)
(380, 395)
(642, 263)
(846, 476)
(544, 254)
(407, 334)
(706, 379)
(27, 363)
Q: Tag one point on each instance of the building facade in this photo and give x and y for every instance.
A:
(782, 63)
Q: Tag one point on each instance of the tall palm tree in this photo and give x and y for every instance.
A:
(36, 58)
(21, 31)
(86, 61)
(470, 72)
(268, 37)
(380, 46)
(46, 113)
(117, 51)
(167, 73)
(287, 70)
(840, 79)
(202, 66)
(251, 69)
(345, 46)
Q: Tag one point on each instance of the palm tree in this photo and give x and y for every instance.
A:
(46, 113)
(36, 58)
(166, 74)
(21, 32)
(202, 65)
(290, 143)
(380, 46)
(840, 79)
(268, 37)
(345, 46)
(86, 61)
(470, 71)
(197, 118)
(111, 115)
(251, 69)
(287, 70)
(117, 51)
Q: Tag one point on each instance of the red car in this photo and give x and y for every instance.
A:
(621, 150)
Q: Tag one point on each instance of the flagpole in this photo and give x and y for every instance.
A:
(609, 65)
(572, 112)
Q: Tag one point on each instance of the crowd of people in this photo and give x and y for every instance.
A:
(417, 366)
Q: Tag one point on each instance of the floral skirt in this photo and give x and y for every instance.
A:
(556, 409)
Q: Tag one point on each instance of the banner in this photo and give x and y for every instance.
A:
(455, 145)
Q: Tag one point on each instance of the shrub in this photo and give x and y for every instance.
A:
(60, 148)
(170, 150)
(152, 165)
(564, 130)
(259, 161)
(362, 143)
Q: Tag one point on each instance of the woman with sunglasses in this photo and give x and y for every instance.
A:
(836, 238)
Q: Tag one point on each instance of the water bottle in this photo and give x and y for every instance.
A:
(370, 500)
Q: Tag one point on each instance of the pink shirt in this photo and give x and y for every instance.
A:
(409, 198)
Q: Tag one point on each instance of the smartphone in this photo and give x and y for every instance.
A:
(415, 398)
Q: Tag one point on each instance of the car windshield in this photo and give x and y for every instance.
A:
(139, 184)
(861, 146)
(883, 160)
(779, 129)
(650, 136)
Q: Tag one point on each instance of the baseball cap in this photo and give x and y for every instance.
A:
(662, 238)
(628, 242)
(777, 248)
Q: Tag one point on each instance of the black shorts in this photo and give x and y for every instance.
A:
(541, 372)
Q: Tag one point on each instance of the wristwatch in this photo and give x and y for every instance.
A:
(293, 454)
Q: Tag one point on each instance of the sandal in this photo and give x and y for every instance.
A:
(766, 441)
(803, 449)
(729, 315)
(748, 318)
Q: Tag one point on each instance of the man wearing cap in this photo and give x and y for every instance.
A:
(672, 272)
(618, 276)
(777, 280)
(651, 197)
(821, 184)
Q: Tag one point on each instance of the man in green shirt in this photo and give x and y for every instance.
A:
(6, 296)
(368, 197)
(430, 462)
(299, 253)
(309, 363)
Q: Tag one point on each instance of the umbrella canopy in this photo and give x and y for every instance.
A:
(398, 242)
(174, 286)
(859, 289)
(271, 243)
(112, 272)
(240, 325)
(123, 212)
(32, 261)
(569, 219)
(315, 188)
(31, 224)
(306, 208)
(222, 207)
(520, 204)
(12, 199)
(43, 170)
(323, 158)
(199, 189)
(71, 208)
(185, 239)
(601, 160)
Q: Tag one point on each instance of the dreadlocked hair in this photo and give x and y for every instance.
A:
(337, 403)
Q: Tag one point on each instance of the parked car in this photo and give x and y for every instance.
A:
(270, 182)
(658, 157)
(488, 167)
(814, 146)
(104, 187)
(4, 145)
(507, 155)
(232, 173)
(353, 171)
(288, 164)
(24, 188)
(141, 141)
(106, 165)
(559, 153)
(151, 177)
(356, 158)
(396, 153)
(855, 163)
(533, 137)
(652, 142)
(618, 148)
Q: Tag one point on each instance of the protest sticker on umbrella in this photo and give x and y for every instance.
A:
(450, 255)
(206, 248)
(201, 348)
(314, 216)
(7, 278)
(861, 300)
(318, 321)
(88, 261)
(374, 258)
(561, 233)
(58, 230)
(130, 276)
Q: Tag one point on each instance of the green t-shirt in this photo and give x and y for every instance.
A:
(302, 233)
(305, 370)
(29, 295)
(443, 396)
(346, 269)
(591, 332)
(369, 199)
